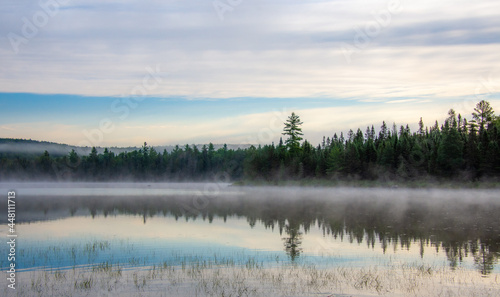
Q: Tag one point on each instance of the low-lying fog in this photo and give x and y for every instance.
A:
(205, 197)
(462, 222)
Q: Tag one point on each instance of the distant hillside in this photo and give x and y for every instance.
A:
(9, 146)
(34, 147)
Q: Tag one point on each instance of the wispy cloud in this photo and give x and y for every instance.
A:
(278, 49)
(272, 50)
(248, 128)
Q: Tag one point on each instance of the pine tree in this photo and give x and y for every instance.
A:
(368, 134)
(45, 162)
(450, 150)
(452, 119)
(483, 114)
(420, 127)
(335, 160)
(74, 160)
(294, 132)
(383, 131)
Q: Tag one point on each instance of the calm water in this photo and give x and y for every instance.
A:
(62, 226)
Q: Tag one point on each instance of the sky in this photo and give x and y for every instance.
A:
(119, 73)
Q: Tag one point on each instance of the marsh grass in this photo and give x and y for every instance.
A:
(84, 284)
(222, 277)
(96, 246)
(245, 275)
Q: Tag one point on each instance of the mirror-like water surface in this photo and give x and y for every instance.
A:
(134, 226)
(151, 221)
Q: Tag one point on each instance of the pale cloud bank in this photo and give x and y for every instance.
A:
(260, 49)
(254, 128)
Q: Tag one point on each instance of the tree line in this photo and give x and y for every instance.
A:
(456, 149)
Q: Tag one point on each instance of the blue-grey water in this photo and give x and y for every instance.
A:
(63, 226)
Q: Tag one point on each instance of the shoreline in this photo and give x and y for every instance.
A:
(417, 184)
(306, 183)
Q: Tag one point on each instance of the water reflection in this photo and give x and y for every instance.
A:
(449, 221)
(293, 241)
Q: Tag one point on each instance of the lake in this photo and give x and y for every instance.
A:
(215, 239)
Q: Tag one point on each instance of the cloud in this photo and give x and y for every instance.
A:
(248, 128)
(43, 131)
(270, 50)
(261, 49)
(375, 73)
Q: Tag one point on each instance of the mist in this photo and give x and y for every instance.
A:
(469, 215)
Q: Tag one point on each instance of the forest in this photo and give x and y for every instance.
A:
(457, 149)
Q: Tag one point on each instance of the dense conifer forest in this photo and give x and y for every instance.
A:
(456, 150)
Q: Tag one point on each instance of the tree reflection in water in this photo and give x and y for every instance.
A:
(293, 241)
(441, 219)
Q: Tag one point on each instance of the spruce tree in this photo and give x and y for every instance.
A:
(483, 114)
(294, 132)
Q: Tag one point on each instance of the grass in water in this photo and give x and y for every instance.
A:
(251, 278)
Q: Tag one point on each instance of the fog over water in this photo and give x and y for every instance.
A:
(459, 227)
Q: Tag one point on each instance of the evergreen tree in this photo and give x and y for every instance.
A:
(383, 134)
(420, 131)
(294, 132)
(483, 114)
(45, 162)
(74, 160)
(335, 160)
(450, 150)
(457, 147)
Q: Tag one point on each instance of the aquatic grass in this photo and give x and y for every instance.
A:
(85, 284)
(94, 246)
(202, 279)
(59, 276)
(245, 274)
(109, 268)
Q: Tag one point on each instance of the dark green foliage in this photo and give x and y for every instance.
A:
(457, 149)
(483, 114)
(294, 132)
(450, 151)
